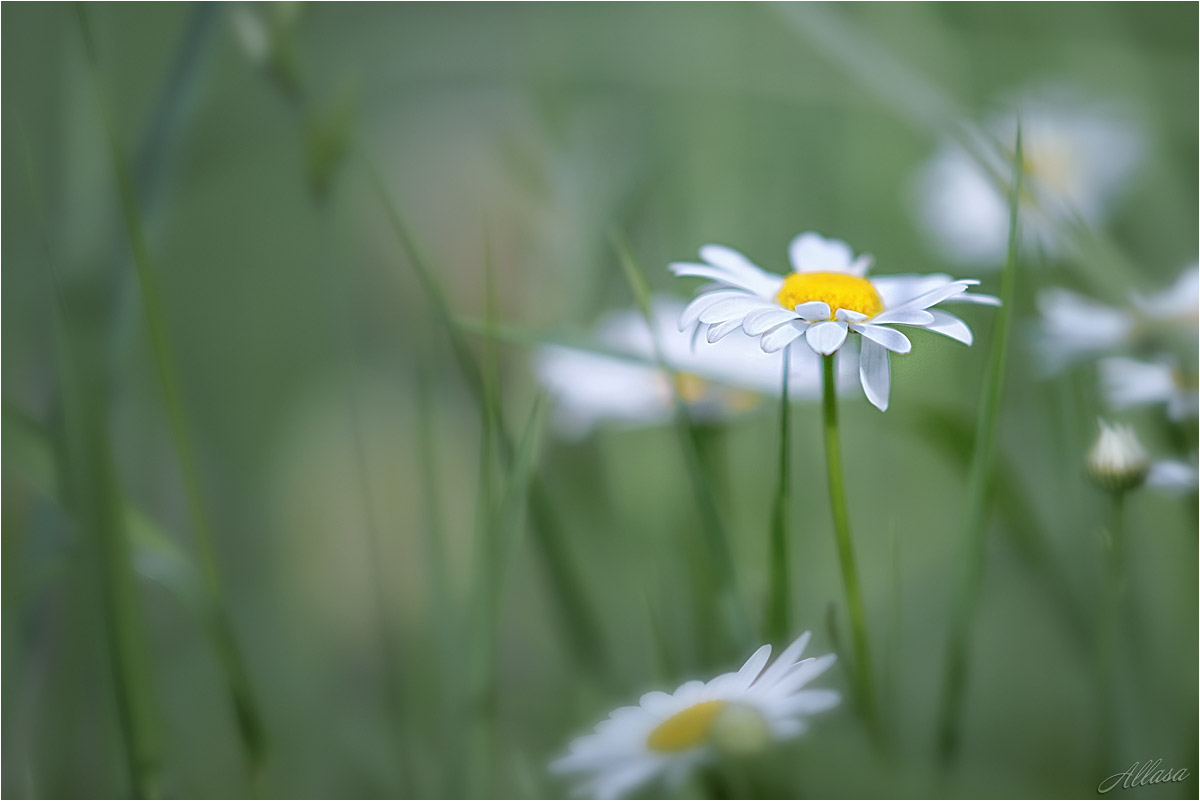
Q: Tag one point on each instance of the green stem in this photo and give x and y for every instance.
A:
(1110, 635)
(779, 595)
(218, 624)
(841, 526)
(977, 507)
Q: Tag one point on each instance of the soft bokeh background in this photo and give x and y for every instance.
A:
(339, 448)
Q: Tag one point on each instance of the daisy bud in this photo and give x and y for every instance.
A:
(1117, 462)
(740, 730)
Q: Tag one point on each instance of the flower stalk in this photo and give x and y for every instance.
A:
(864, 683)
(779, 595)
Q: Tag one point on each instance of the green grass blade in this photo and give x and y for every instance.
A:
(716, 540)
(250, 726)
(977, 508)
(88, 476)
(578, 620)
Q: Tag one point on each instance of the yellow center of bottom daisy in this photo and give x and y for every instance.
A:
(685, 729)
(839, 290)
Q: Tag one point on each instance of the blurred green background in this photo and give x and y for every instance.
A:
(338, 445)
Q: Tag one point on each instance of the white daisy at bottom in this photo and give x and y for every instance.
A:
(669, 734)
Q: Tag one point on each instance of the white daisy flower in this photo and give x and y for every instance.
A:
(826, 297)
(1131, 382)
(716, 380)
(1075, 328)
(1077, 158)
(668, 734)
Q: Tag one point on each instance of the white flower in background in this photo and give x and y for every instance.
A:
(1077, 156)
(1173, 476)
(669, 734)
(1118, 462)
(1130, 382)
(826, 297)
(716, 380)
(1075, 328)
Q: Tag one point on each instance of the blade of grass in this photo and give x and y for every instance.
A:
(250, 728)
(954, 436)
(716, 541)
(500, 544)
(89, 479)
(977, 508)
(578, 621)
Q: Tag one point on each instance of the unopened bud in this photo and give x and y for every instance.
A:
(1117, 462)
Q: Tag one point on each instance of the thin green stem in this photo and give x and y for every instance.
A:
(864, 677)
(720, 553)
(578, 618)
(218, 624)
(1108, 642)
(977, 506)
(779, 601)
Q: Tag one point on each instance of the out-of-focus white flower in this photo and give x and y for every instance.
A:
(825, 298)
(1074, 328)
(1130, 382)
(1172, 475)
(716, 380)
(1178, 303)
(1077, 157)
(667, 735)
(1118, 462)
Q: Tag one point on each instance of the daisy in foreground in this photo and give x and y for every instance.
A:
(826, 297)
(669, 734)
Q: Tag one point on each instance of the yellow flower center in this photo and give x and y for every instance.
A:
(839, 290)
(691, 388)
(685, 729)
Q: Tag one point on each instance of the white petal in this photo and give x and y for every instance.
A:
(903, 317)
(849, 316)
(809, 702)
(890, 338)
(977, 298)
(783, 663)
(814, 310)
(762, 320)
(763, 284)
(730, 308)
(659, 704)
(779, 338)
(825, 338)
(875, 373)
(691, 313)
(936, 296)
(947, 324)
(753, 667)
(810, 252)
(803, 673)
(896, 290)
(744, 271)
(722, 330)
